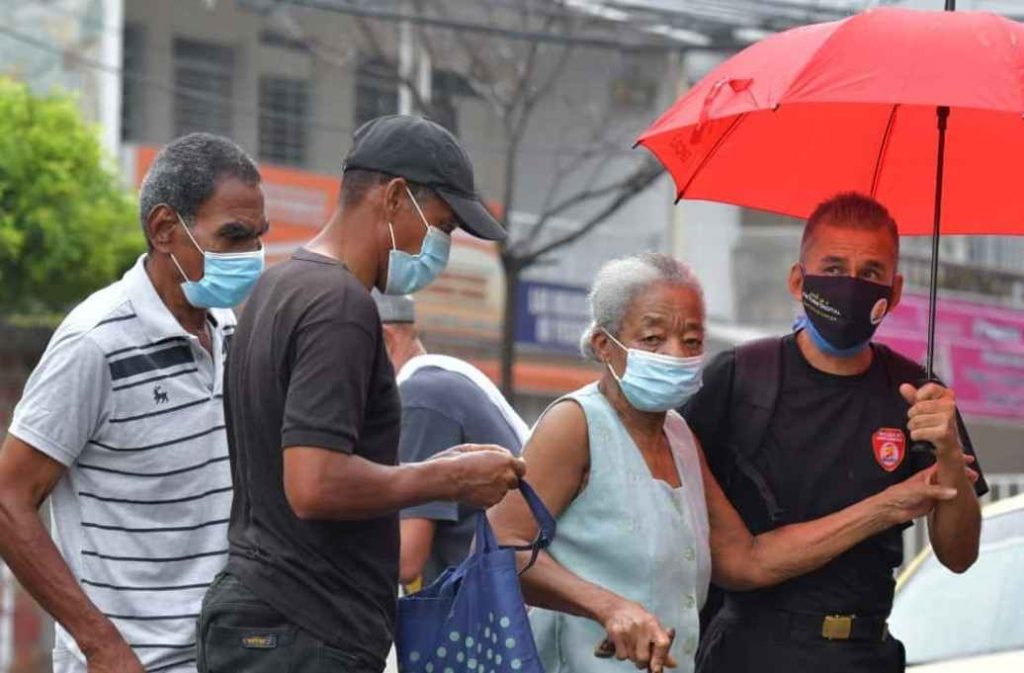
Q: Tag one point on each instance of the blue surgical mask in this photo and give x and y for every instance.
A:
(228, 277)
(411, 273)
(654, 382)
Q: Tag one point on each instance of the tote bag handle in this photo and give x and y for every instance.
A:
(546, 527)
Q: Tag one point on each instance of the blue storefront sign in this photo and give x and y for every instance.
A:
(551, 316)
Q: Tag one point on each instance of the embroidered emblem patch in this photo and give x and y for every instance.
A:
(890, 446)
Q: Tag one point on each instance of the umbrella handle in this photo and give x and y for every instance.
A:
(922, 448)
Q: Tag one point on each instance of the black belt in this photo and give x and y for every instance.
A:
(809, 626)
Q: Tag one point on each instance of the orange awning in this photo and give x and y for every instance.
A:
(542, 378)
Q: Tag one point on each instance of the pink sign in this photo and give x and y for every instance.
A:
(979, 351)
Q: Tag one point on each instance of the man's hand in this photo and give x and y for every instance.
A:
(915, 496)
(933, 417)
(483, 473)
(113, 656)
(954, 526)
(27, 477)
(637, 635)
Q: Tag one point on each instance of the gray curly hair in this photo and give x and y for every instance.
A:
(619, 282)
(186, 171)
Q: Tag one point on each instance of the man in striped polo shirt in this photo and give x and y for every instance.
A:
(122, 425)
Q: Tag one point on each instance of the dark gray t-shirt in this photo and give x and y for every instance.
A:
(308, 369)
(441, 409)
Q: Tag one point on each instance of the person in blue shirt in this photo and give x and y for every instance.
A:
(445, 402)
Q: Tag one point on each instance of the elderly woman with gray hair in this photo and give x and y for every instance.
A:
(642, 524)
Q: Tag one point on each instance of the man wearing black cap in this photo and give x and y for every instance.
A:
(313, 414)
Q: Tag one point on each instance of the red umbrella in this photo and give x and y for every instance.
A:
(864, 104)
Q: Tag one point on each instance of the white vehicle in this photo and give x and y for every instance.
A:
(972, 622)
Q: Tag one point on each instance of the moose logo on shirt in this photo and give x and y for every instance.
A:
(159, 395)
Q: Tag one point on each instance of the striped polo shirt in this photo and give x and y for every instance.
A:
(132, 404)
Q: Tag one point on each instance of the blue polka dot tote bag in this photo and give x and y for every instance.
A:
(472, 619)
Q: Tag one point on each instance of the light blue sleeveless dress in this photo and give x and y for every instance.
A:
(631, 534)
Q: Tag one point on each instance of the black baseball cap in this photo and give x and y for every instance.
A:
(426, 153)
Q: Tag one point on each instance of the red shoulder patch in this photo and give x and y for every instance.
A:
(890, 445)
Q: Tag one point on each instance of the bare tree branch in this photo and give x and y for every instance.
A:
(639, 181)
(597, 147)
(514, 131)
(521, 86)
(423, 38)
(402, 80)
(328, 53)
(556, 73)
(561, 173)
(598, 143)
(522, 94)
(481, 75)
(594, 146)
(546, 212)
(509, 186)
(595, 193)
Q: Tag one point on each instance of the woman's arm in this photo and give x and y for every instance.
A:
(558, 459)
(741, 561)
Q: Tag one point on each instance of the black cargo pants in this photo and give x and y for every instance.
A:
(239, 633)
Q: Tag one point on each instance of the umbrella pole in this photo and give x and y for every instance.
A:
(933, 290)
(943, 115)
(942, 112)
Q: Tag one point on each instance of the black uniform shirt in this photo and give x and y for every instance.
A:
(308, 368)
(832, 441)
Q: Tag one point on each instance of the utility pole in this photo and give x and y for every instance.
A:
(110, 85)
(413, 66)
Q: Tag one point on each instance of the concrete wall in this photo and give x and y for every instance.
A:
(705, 236)
(231, 26)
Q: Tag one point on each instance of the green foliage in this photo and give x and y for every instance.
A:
(67, 227)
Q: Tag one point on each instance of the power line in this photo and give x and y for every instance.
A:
(198, 94)
(420, 19)
(257, 111)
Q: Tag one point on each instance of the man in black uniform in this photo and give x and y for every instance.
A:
(800, 427)
(313, 418)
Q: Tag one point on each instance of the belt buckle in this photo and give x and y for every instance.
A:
(837, 627)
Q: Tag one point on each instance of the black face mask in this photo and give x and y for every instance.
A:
(844, 312)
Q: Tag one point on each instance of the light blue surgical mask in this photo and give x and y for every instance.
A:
(654, 382)
(228, 277)
(411, 273)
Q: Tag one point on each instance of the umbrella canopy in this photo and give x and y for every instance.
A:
(850, 105)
